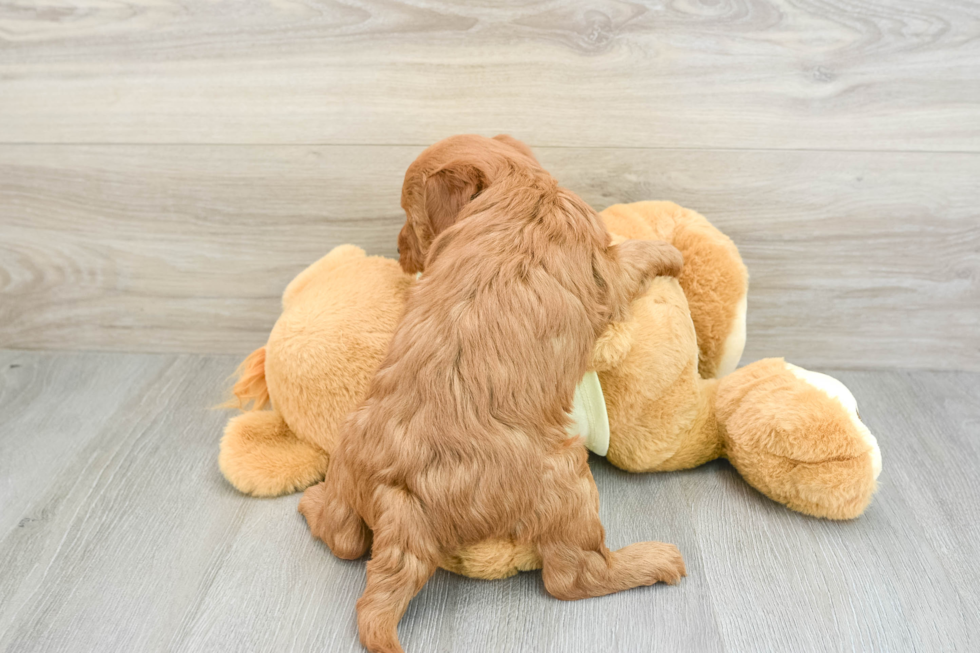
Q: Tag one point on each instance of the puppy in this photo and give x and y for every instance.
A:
(462, 435)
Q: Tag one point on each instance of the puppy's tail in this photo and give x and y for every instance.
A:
(250, 390)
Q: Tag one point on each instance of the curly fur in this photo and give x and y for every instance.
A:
(462, 436)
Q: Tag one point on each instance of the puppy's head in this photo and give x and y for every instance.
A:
(444, 179)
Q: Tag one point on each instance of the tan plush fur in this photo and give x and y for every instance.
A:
(663, 414)
(714, 278)
(263, 457)
(462, 436)
(337, 321)
(793, 443)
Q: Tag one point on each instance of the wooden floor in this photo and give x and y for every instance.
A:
(118, 533)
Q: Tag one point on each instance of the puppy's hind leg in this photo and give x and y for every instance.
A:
(332, 519)
(576, 562)
(402, 560)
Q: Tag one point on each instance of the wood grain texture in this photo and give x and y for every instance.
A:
(122, 535)
(900, 578)
(857, 259)
(782, 74)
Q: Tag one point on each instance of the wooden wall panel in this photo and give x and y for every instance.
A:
(857, 259)
(778, 74)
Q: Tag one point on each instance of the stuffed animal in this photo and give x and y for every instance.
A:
(667, 382)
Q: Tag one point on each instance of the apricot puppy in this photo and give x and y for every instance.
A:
(462, 436)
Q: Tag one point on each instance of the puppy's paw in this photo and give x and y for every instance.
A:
(673, 565)
(642, 260)
(662, 258)
(664, 563)
(311, 506)
(332, 520)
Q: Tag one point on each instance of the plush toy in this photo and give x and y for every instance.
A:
(666, 379)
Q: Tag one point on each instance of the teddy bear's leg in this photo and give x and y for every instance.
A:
(260, 456)
(661, 413)
(796, 436)
(492, 559)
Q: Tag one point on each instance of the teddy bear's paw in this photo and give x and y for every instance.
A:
(654, 562)
(837, 390)
(795, 436)
(260, 456)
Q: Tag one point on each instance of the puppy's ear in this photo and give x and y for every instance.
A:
(409, 252)
(448, 190)
(517, 145)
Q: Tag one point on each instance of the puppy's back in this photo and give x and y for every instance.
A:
(481, 371)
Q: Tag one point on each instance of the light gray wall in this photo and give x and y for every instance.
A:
(166, 169)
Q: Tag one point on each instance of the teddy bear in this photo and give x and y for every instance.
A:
(664, 393)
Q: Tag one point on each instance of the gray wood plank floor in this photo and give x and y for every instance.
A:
(118, 533)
